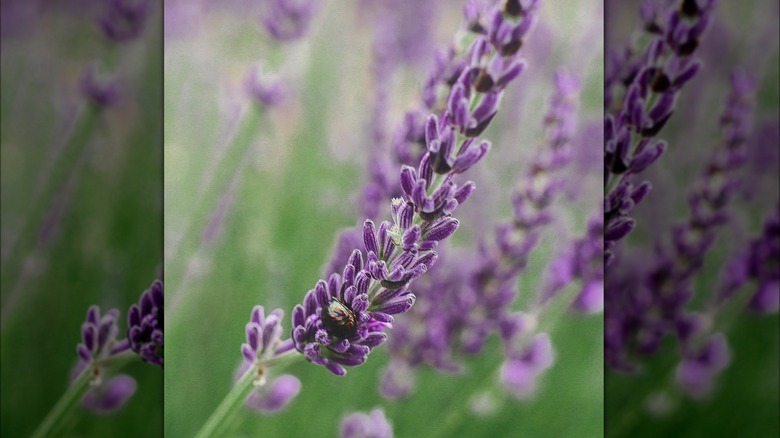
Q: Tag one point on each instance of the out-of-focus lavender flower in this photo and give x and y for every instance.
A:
(288, 20)
(466, 301)
(520, 370)
(101, 90)
(276, 395)
(701, 365)
(124, 20)
(760, 262)
(651, 78)
(361, 425)
(584, 262)
(145, 323)
(640, 314)
(110, 396)
(267, 91)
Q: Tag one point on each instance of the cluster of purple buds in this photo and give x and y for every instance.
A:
(759, 263)
(146, 325)
(468, 301)
(264, 343)
(522, 367)
(468, 83)
(652, 82)
(642, 313)
(98, 345)
(701, 364)
(124, 20)
(342, 319)
(288, 20)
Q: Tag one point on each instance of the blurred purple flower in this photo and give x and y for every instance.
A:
(102, 90)
(520, 371)
(110, 396)
(276, 395)
(371, 425)
(288, 20)
(263, 89)
(699, 367)
(124, 20)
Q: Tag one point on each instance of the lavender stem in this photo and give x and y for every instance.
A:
(73, 395)
(233, 401)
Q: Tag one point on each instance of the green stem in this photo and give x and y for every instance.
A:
(65, 405)
(230, 404)
(75, 392)
(27, 237)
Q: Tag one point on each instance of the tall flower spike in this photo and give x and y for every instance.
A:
(146, 324)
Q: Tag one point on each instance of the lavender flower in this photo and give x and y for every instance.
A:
(360, 425)
(146, 324)
(342, 319)
(652, 82)
(101, 90)
(641, 313)
(700, 365)
(521, 369)
(264, 343)
(265, 90)
(98, 345)
(288, 20)
(124, 20)
(467, 301)
(760, 262)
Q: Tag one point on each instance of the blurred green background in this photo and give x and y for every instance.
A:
(745, 400)
(104, 244)
(285, 199)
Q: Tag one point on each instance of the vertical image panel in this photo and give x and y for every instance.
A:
(692, 150)
(81, 193)
(384, 218)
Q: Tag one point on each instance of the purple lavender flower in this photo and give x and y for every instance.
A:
(263, 343)
(124, 20)
(652, 81)
(641, 313)
(263, 89)
(520, 372)
(760, 262)
(100, 89)
(98, 345)
(288, 20)
(276, 395)
(360, 425)
(146, 324)
(696, 372)
(110, 396)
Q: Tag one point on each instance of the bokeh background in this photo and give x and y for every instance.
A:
(81, 221)
(744, 400)
(276, 212)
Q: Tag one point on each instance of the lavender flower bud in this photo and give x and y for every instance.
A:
(521, 370)
(360, 425)
(100, 89)
(288, 20)
(110, 396)
(124, 20)
(695, 374)
(146, 324)
(264, 90)
(276, 395)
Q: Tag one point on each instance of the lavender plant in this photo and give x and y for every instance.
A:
(674, 327)
(102, 352)
(80, 100)
(298, 178)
